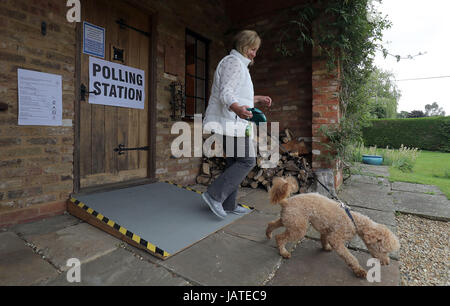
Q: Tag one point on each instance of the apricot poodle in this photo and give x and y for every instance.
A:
(330, 220)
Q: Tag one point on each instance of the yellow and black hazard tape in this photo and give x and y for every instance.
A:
(151, 247)
(184, 187)
(200, 192)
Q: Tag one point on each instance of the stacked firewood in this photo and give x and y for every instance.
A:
(292, 162)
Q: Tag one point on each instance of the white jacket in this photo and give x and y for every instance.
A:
(232, 83)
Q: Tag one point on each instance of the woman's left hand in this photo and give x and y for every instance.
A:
(265, 100)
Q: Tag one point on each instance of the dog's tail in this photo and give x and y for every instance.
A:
(281, 189)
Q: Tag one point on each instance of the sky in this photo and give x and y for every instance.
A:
(418, 26)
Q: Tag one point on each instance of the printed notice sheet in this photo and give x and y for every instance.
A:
(93, 40)
(40, 98)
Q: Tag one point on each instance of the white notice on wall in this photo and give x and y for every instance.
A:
(40, 98)
(116, 85)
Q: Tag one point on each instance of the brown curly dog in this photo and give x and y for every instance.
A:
(330, 220)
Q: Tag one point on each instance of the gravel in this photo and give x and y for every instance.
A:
(424, 253)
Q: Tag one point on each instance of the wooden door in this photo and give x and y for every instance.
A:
(103, 128)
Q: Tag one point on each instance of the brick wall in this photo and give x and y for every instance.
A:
(325, 107)
(286, 79)
(36, 172)
(326, 112)
(305, 93)
(36, 163)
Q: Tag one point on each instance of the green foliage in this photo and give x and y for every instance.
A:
(402, 114)
(431, 168)
(339, 141)
(434, 110)
(416, 114)
(346, 33)
(384, 94)
(431, 110)
(403, 159)
(430, 133)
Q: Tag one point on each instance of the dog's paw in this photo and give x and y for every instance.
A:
(361, 273)
(327, 248)
(285, 255)
(269, 235)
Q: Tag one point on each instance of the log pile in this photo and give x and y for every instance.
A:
(292, 162)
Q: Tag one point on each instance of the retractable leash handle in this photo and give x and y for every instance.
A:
(258, 115)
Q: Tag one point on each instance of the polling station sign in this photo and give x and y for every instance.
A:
(116, 85)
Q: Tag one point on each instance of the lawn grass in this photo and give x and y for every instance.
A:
(430, 168)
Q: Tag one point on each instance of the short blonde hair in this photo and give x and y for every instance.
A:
(246, 39)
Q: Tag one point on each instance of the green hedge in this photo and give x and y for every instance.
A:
(430, 133)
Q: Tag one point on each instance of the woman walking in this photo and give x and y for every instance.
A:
(231, 95)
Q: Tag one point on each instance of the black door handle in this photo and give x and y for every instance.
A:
(83, 92)
(121, 148)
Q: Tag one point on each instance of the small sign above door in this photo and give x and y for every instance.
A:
(116, 85)
(93, 40)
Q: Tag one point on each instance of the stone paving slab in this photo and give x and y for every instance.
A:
(239, 254)
(259, 199)
(416, 188)
(309, 265)
(253, 227)
(372, 170)
(367, 196)
(356, 243)
(368, 180)
(45, 226)
(19, 265)
(430, 206)
(82, 241)
(379, 216)
(223, 259)
(120, 268)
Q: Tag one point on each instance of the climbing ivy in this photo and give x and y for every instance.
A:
(346, 33)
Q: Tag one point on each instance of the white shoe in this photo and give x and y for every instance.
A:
(239, 210)
(214, 205)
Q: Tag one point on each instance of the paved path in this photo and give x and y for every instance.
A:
(37, 253)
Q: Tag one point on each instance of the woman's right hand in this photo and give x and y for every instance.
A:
(241, 111)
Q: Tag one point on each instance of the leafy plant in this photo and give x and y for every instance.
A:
(347, 33)
(402, 159)
(445, 174)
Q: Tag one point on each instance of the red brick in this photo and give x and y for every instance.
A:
(320, 108)
(330, 115)
(52, 208)
(17, 215)
(320, 120)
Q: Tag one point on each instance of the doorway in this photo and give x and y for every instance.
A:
(102, 130)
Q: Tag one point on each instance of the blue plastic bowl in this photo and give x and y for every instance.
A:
(372, 159)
